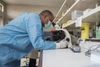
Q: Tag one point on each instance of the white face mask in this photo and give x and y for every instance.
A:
(48, 25)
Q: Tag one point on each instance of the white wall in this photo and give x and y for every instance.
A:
(1, 21)
(2, 14)
(15, 10)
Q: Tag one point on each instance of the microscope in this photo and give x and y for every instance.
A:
(58, 34)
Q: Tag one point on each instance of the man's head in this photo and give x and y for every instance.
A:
(46, 17)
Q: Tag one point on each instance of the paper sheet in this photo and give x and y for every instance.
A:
(79, 22)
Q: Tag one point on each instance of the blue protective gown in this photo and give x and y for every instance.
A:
(19, 37)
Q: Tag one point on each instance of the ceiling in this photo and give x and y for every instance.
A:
(36, 2)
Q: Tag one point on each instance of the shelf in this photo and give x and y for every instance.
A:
(93, 40)
(92, 17)
(70, 24)
(77, 6)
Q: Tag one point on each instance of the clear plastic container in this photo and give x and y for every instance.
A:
(76, 14)
(86, 11)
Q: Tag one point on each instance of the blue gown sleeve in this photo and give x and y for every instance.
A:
(35, 32)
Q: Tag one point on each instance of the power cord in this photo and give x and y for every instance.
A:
(88, 53)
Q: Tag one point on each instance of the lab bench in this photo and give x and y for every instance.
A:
(64, 58)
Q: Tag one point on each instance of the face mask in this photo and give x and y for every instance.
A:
(48, 25)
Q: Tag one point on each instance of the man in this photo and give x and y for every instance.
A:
(33, 55)
(22, 35)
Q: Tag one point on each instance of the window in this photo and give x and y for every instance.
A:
(1, 7)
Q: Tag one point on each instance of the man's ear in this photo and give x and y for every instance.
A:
(45, 16)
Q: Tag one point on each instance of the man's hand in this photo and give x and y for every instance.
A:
(57, 27)
(62, 44)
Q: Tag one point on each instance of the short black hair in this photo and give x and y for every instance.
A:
(46, 12)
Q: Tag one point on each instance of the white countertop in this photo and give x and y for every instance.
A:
(64, 58)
